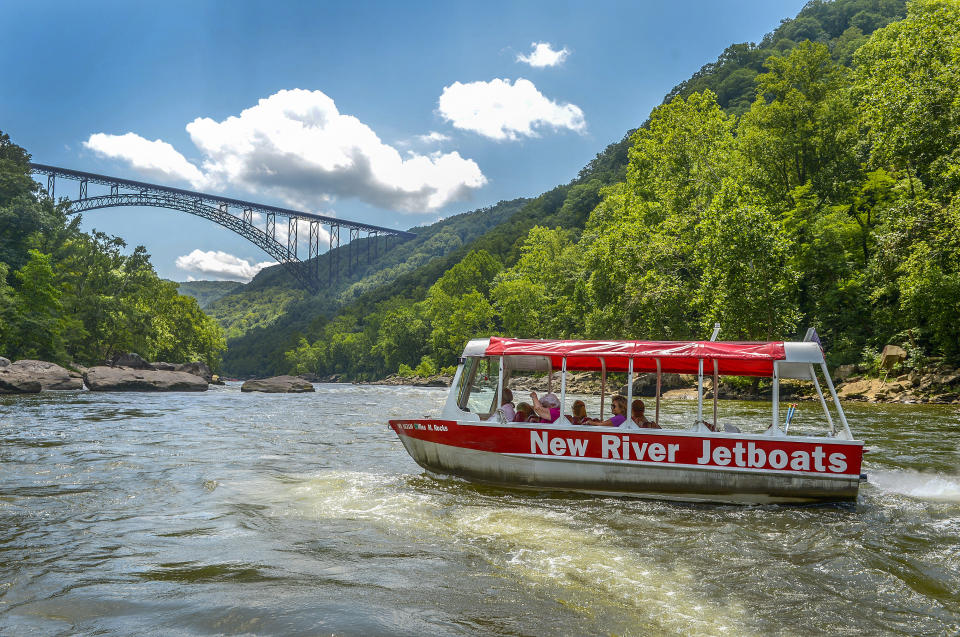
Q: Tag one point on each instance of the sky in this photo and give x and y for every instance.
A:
(391, 113)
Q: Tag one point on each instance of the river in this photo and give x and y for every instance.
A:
(230, 513)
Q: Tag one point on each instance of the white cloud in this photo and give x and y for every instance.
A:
(220, 265)
(500, 110)
(156, 159)
(296, 145)
(543, 55)
(433, 137)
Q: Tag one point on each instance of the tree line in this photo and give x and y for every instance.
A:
(72, 297)
(830, 200)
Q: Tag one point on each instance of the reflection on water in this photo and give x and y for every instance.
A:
(224, 512)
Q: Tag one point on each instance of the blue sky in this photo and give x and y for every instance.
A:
(393, 113)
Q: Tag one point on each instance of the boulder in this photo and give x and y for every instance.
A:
(131, 360)
(680, 394)
(870, 389)
(50, 375)
(645, 385)
(277, 385)
(434, 381)
(4, 361)
(197, 369)
(891, 356)
(126, 379)
(844, 371)
(15, 381)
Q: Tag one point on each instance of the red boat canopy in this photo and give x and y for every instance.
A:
(682, 357)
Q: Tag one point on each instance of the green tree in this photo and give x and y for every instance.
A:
(801, 128)
(748, 283)
(402, 337)
(7, 309)
(907, 82)
(455, 320)
(38, 329)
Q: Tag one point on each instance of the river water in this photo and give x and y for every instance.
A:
(230, 513)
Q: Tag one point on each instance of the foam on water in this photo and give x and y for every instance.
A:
(541, 547)
(923, 486)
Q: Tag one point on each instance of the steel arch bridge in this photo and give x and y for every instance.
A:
(126, 192)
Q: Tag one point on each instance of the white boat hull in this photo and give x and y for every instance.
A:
(486, 454)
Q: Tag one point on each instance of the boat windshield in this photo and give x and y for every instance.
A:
(479, 384)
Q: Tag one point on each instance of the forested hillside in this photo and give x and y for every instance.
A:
(71, 297)
(271, 313)
(206, 292)
(821, 192)
(843, 26)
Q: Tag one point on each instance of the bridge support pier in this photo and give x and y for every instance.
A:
(272, 225)
(313, 250)
(292, 237)
(334, 237)
(354, 253)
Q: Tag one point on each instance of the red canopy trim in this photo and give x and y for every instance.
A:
(682, 357)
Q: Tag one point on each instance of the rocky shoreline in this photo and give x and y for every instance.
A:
(128, 372)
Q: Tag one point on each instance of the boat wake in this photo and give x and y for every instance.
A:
(541, 547)
(923, 486)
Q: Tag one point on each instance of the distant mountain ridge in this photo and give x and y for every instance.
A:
(206, 292)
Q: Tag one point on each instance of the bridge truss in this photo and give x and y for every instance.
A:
(220, 210)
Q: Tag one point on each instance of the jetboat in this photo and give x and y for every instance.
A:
(706, 461)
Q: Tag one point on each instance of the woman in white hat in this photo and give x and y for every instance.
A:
(547, 408)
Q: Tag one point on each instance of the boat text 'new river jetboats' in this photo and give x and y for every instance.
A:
(706, 462)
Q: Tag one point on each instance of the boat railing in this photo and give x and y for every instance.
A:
(464, 379)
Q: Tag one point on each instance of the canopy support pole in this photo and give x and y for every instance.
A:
(499, 405)
(563, 388)
(550, 379)
(700, 395)
(603, 385)
(629, 413)
(775, 426)
(715, 392)
(823, 403)
(836, 401)
(657, 420)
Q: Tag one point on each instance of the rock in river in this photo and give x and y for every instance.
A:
(49, 375)
(130, 359)
(278, 385)
(126, 379)
(15, 381)
(196, 368)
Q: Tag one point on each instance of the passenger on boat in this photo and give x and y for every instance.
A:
(547, 408)
(638, 418)
(524, 413)
(507, 407)
(618, 405)
(580, 413)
